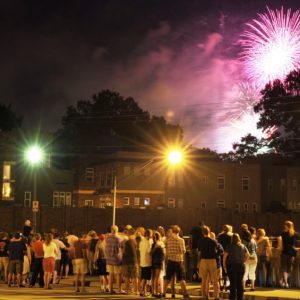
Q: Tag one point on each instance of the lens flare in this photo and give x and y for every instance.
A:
(271, 46)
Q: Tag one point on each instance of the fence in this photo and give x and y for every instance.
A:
(78, 220)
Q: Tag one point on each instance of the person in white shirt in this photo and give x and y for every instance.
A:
(50, 251)
(145, 248)
(60, 245)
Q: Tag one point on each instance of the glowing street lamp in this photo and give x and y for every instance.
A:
(175, 157)
(34, 156)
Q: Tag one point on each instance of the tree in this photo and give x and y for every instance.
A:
(279, 110)
(8, 119)
(110, 120)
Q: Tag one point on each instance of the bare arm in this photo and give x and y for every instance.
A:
(225, 256)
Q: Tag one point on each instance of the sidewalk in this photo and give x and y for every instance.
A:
(195, 290)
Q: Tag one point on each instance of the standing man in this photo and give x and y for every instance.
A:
(114, 258)
(37, 268)
(60, 246)
(16, 250)
(209, 271)
(4, 261)
(175, 250)
(79, 259)
(145, 248)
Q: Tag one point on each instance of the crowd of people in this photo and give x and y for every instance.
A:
(145, 261)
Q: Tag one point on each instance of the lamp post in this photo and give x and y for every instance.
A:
(173, 157)
(34, 156)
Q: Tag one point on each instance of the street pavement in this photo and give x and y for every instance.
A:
(65, 290)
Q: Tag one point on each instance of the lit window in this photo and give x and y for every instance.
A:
(270, 185)
(108, 203)
(221, 203)
(282, 185)
(237, 207)
(180, 203)
(146, 201)
(27, 199)
(102, 204)
(89, 174)
(68, 198)
(126, 201)
(171, 202)
(89, 203)
(8, 181)
(136, 201)
(56, 202)
(254, 207)
(294, 185)
(62, 198)
(203, 204)
(245, 183)
(246, 207)
(127, 170)
(221, 182)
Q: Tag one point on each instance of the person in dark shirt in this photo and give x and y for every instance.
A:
(209, 249)
(4, 242)
(287, 243)
(16, 250)
(27, 229)
(195, 236)
(224, 238)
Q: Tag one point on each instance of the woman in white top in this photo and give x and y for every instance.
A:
(50, 250)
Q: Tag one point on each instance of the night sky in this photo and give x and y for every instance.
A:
(176, 58)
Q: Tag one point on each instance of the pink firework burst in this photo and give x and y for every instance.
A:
(271, 46)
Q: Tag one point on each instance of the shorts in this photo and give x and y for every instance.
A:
(26, 265)
(49, 264)
(130, 271)
(101, 264)
(175, 268)
(4, 262)
(114, 269)
(209, 268)
(15, 267)
(157, 266)
(146, 273)
(79, 266)
(57, 265)
(287, 262)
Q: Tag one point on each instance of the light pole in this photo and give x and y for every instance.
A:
(34, 156)
(174, 157)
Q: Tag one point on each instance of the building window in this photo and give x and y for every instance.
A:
(108, 203)
(221, 203)
(282, 184)
(8, 181)
(89, 203)
(89, 174)
(27, 199)
(127, 170)
(126, 201)
(136, 201)
(237, 207)
(270, 185)
(180, 203)
(102, 204)
(136, 171)
(109, 178)
(68, 199)
(245, 183)
(56, 202)
(246, 207)
(146, 201)
(62, 198)
(254, 207)
(294, 185)
(203, 204)
(204, 179)
(171, 203)
(221, 182)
